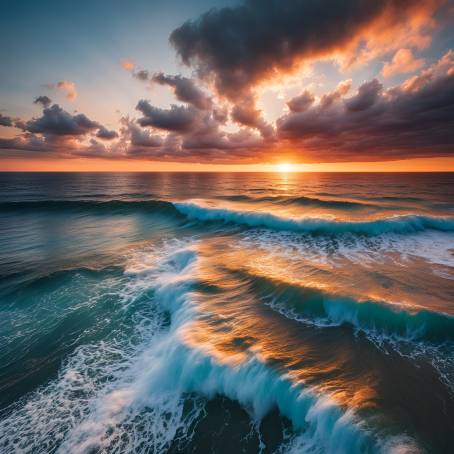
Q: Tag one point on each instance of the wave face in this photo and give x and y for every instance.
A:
(395, 224)
(376, 318)
(253, 313)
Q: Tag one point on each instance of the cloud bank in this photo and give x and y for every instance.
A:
(234, 52)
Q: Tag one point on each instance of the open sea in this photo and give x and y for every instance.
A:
(226, 313)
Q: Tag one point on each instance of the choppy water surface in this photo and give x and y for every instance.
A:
(225, 313)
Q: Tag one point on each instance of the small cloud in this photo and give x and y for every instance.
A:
(177, 118)
(106, 134)
(185, 90)
(367, 96)
(142, 75)
(127, 65)
(44, 101)
(69, 88)
(342, 89)
(6, 121)
(402, 62)
(302, 102)
(58, 122)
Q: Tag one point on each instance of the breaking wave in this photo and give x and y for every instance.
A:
(396, 224)
(190, 210)
(139, 398)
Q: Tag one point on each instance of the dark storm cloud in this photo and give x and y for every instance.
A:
(407, 121)
(142, 75)
(328, 99)
(192, 135)
(139, 137)
(218, 141)
(302, 102)
(44, 101)
(240, 46)
(106, 134)
(246, 114)
(185, 90)
(212, 145)
(56, 121)
(177, 118)
(25, 143)
(220, 114)
(6, 121)
(368, 94)
(58, 133)
(29, 142)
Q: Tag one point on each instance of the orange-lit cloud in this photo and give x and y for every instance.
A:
(390, 31)
(405, 121)
(260, 50)
(69, 88)
(402, 62)
(373, 123)
(127, 65)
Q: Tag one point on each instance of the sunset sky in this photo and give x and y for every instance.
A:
(349, 85)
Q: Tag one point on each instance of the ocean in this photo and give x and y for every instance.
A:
(226, 313)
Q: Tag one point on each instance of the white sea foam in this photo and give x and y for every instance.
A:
(169, 370)
(136, 402)
(436, 248)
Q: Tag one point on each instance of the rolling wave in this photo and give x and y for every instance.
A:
(396, 224)
(409, 332)
(315, 306)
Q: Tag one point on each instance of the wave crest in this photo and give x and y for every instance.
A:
(396, 224)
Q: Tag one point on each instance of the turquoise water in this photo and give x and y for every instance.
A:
(226, 313)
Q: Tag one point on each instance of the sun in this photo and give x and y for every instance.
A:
(285, 167)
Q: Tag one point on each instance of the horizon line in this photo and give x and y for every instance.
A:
(227, 171)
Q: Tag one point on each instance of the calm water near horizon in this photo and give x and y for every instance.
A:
(226, 313)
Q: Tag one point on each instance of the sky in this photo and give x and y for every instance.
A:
(248, 85)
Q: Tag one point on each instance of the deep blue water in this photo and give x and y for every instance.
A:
(225, 313)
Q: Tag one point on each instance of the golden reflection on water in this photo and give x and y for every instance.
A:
(391, 280)
(234, 324)
(237, 274)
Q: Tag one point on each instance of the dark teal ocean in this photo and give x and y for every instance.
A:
(226, 313)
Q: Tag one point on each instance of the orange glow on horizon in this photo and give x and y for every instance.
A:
(285, 167)
(102, 165)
